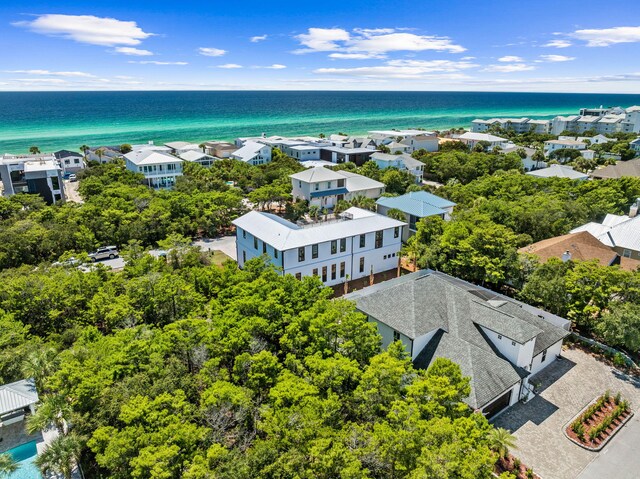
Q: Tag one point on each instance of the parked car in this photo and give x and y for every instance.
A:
(105, 252)
(73, 177)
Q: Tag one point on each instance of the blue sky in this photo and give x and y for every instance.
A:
(566, 46)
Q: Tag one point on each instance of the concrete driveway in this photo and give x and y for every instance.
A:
(226, 244)
(566, 387)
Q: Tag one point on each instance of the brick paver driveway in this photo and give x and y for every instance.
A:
(565, 388)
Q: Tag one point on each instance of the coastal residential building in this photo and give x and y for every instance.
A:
(355, 245)
(103, 154)
(567, 144)
(564, 123)
(631, 123)
(472, 139)
(517, 125)
(179, 147)
(253, 153)
(70, 161)
(635, 145)
(16, 400)
(411, 140)
(160, 169)
(499, 343)
(33, 174)
(580, 246)
(558, 171)
(528, 163)
(324, 187)
(402, 162)
(620, 169)
(197, 156)
(621, 232)
(416, 205)
(219, 149)
(341, 154)
(302, 152)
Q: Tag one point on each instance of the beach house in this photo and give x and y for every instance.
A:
(34, 174)
(160, 169)
(253, 153)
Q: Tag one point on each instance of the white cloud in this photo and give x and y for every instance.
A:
(467, 58)
(154, 62)
(555, 58)
(276, 66)
(87, 29)
(404, 69)
(511, 59)
(608, 36)
(211, 52)
(356, 56)
(50, 73)
(509, 68)
(230, 66)
(322, 39)
(52, 81)
(258, 38)
(133, 51)
(558, 44)
(377, 41)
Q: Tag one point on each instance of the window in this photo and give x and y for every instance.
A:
(67, 162)
(340, 183)
(626, 253)
(298, 276)
(76, 161)
(317, 186)
(301, 254)
(363, 241)
(264, 248)
(342, 269)
(334, 247)
(499, 336)
(299, 184)
(314, 251)
(379, 236)
(362, 264)
(55, 183)
(255, 243)
(513, 343)
(244, 234)
(396, 231)
(333, 271)
(315, 271)
(343, 245)
(544, 356)
(275, 253)
(244, 257)
(396, 335)
(324, 274)
(328, 185)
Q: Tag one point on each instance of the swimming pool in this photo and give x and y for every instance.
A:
(25, 454)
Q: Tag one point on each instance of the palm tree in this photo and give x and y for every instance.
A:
(202, 146)
(84, 149)
(8, 465)
(500, 441)
(396, 214)
(39, 365)
(34, 150)
(60, 456)
(53, 410)
(99, 152)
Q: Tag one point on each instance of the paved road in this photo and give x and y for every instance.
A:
(619, 458)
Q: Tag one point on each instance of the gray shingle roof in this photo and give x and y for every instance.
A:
(426, 301)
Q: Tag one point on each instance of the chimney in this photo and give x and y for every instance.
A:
(633, 211)
(566, 256)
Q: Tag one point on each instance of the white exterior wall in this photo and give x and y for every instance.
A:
(379, 259)
(311, 153)
(421, 342)
(516, 353)
(553, 352)
(387, 336)
(429, 145)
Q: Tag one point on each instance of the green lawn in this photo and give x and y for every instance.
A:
(218, 258)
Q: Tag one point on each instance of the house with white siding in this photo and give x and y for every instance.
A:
(402, 162)
(197, 156)
(472, 139)
(499, 343)
(355, 245)
(160, 169)
(411, 140)
(323, 187)
(253, 153)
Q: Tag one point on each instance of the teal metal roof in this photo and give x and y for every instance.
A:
(337, 191)
(417, 203)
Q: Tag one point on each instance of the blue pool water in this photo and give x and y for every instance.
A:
(25, 454)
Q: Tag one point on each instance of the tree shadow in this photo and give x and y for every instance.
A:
(537, 410)
(633, 380)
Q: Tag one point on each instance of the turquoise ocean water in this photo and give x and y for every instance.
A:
(55, 120)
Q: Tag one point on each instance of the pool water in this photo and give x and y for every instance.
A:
(25, 454)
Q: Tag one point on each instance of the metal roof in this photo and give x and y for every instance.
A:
(284, 235)
(322, 193)
(18, 395)
(558, 171)
(417, 203)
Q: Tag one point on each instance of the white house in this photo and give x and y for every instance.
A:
(253, 153)
(528, 163)
(70, 161)
(179, 147)
(499, 343)
(355, 245)
(160, 169)
(103, 154)
(402, 162)
(16, 400)
(563, 123)
(302, 152)
(568, 144)
(416, 205)
(559, 171)
(412, 140)
(324, 187)
(197, 156)
(472, 139)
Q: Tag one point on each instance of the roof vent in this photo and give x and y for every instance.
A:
(347, 216)
(566, 256)
(633, 211)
